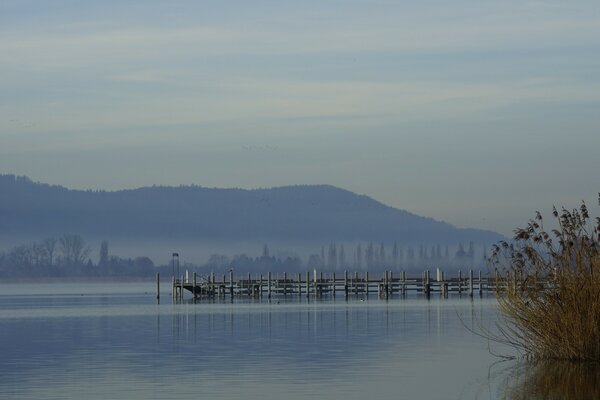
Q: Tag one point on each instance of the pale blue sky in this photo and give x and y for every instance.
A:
(473, 112)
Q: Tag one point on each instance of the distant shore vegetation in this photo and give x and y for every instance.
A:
(70, 255)
(551, 299)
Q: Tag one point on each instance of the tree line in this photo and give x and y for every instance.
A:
(70, 256)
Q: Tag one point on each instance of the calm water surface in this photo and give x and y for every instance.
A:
(113, 341)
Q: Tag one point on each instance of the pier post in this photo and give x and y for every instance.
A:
(231, 283)
(250, 285)
(321, 283)
(385, 284)
(346, 283)
(269, 285)
(471, 283)
(480, 284)
(307, 284)
(181, 289)
(459, 281)
(496, 279)
(299, 284)
(444, 285)
(366, 284)
(157, 286)
(173, 287)
(355, 283)
(260, 286)
(333, 283)
(285, 284)
(194, 289)
(391, 283)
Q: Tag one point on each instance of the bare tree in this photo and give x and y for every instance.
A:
(103, 262)
(50, 246)
(73, 249)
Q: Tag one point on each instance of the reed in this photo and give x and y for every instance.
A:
(552, 380)
(549, 287)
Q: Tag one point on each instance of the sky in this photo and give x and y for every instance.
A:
(477, 113)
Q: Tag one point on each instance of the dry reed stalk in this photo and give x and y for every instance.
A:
(552, 311)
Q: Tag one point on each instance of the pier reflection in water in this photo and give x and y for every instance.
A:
(114, 344)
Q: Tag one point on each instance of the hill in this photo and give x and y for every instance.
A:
(304, 213)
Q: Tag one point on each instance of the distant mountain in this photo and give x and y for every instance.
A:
(306, 213)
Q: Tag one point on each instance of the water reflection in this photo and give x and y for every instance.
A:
(551, 380)
(98, 347)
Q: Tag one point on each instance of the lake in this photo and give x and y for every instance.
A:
(113, 341)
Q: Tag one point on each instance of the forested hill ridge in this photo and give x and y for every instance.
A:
(307, 213)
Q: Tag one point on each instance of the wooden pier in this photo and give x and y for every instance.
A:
(319, 284)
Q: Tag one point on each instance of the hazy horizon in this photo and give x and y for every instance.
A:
(477, 114)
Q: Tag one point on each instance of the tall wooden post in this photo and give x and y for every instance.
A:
(333, 283)
(269, 285)
(307, 284)
(471, 283)
(194, 288)
(173, 287)
(157, 286)
(346, 283)
(260, 286)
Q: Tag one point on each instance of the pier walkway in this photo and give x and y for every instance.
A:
(320, 284)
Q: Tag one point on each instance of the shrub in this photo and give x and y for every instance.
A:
(549, 290)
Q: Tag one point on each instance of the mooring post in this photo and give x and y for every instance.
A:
(402, 283)
(444, 284)
(269, 285)
(346, 283)
(496, 279)
(459, 281)
(173, 288)
(299, 284)
(391, 283)
(480, 284)
(181, 289)
(471, 283)
(366, 284)
(307, 284)
(194, 289)
(285, 284)
(321, 283)
(333, 283)
(260, 286)
(157, 286)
